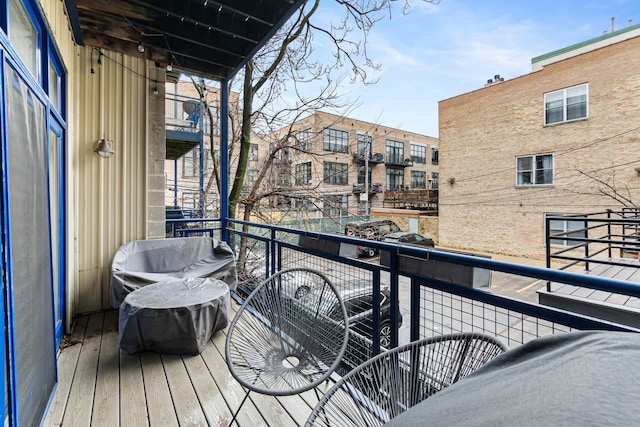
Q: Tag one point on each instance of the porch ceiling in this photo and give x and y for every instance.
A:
(208, 38)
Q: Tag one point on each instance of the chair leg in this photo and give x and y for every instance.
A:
(239, 407)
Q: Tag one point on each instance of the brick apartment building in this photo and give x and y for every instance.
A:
(564, 138)
(340, 166)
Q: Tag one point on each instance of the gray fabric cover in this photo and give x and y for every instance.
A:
(572, 379)
(174, 317)
(142, 262)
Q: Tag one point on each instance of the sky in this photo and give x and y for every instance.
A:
(440, 51)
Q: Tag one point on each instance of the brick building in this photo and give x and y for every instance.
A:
(564, 138)
(330, 156)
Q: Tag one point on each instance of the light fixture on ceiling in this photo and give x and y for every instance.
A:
(140, 47)
(170, 67)
(104, 149)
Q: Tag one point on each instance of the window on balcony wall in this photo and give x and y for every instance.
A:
(364, 144)
(572, 228)
(335, 173)
(566, 104)
(395, 179)
(304, 141)
(418, 153)
(24, 36)
(534, 170)
(335, 205)
(433, 185)
(361, 174)
(434, 155)
(335, 140)
(395, 152)
(303, 173)
(253, 153)
(418, 179)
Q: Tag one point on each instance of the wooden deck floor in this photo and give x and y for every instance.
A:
(100, 385)
(629, 272)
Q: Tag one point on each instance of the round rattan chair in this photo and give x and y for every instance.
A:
(392, 382)
(289, 335)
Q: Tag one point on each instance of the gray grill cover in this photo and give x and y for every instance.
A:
(142, 262)
(174, 317)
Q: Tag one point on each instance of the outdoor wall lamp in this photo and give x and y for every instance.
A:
(104, 149)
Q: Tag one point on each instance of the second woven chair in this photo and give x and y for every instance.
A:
(392, 382)
(289, 335)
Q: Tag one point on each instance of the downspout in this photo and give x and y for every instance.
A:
(224, 159)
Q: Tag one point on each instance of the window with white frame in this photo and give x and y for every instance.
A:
(191, 163)
(418, 179)
(534, 170)
(335, 140)
(336, 173)
(252, 176)
(304, 142)
(564, 229)
(566, 104)
(303, 173)
(418, 153)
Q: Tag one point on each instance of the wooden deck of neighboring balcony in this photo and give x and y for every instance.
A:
(100, 385)
(605, 305)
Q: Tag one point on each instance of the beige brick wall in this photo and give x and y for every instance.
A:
(482, 132)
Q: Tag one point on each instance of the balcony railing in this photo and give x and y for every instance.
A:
(429, 304)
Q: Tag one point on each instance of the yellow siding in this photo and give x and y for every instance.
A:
(111, 205)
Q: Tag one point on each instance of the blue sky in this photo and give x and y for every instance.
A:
(440, 51)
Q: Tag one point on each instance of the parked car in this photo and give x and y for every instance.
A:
(357, 295)
(408, 238)
(375, 229)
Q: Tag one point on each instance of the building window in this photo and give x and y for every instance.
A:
(434, 155)
(206, 121)
(395, 179)
(303, 174)
(253, 153)
(304, 141)
(433, 185)
(335, 206)
(534, 170)
(336, 173)
(418, 153)
(395, 152)
(191, 163)
(361, 175)
(336, 140)
(252, 176)
(364, 144)
(418, 179)
(563, 229)
(566, 104)
(24, 35)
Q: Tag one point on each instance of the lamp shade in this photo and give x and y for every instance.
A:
(104, 148)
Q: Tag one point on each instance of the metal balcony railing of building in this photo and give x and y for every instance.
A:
(406, 294)
(420, 293)
(597, 238)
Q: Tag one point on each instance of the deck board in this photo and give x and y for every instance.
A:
(106, 410)
(184, 396)
(157, 394)
(82, 392)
